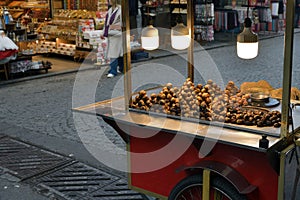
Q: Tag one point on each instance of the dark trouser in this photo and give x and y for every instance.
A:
(114, 63)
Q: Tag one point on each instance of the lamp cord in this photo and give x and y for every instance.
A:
(248, 8)
(248, 11)
(247, 22)
(179, 17)
(148, 9)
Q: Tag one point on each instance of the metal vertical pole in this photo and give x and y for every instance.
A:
(206, 184)
(190, 25)
(127, 51)
(127, 71)
(287, 67)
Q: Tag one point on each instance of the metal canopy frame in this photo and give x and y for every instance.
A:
(287, 66)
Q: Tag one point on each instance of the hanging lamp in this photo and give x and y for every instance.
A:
(247, 41)
(149, 36)
(180, 37)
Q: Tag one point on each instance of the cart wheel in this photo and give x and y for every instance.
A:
(191, 188)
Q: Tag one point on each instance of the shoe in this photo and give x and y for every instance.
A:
(110, 75)
(119, 72)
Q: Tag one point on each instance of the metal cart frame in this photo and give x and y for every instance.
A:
(236, 159)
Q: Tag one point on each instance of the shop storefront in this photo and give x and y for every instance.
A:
(73, 28)
(56, 28)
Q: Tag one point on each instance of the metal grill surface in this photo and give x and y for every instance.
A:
(75, 181)
(24, 160)
(117, 190)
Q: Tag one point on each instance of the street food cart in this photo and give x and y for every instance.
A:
(180, 157)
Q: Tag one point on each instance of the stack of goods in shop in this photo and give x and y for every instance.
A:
(102, 5)
(100, 19)
(88, 38)
(101, 53)
(66, 23)
(82, 4)
(204, 33)
(40, 13)
(65, 49)
(37, 9)
(207, 103)
(28, 4)
(91, 41)
(29, 48)
(84, 26)
(46, 47)
(59, 28)
(4, 3)
(53, 47)
(204, 20)
(203, 12)
(155, 3)
(177, 1)
(35, 4)
(69, 28)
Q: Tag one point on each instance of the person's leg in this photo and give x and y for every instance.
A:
(121, 64)
(113, 66)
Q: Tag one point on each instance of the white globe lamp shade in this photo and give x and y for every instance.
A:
(150, 38)
(247, 50)
(180, 38)
(247, 42)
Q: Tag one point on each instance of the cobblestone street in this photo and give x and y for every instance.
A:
(40, 112)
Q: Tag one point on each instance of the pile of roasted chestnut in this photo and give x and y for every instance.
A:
(206, 102)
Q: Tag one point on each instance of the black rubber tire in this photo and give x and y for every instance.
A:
(217, 183)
